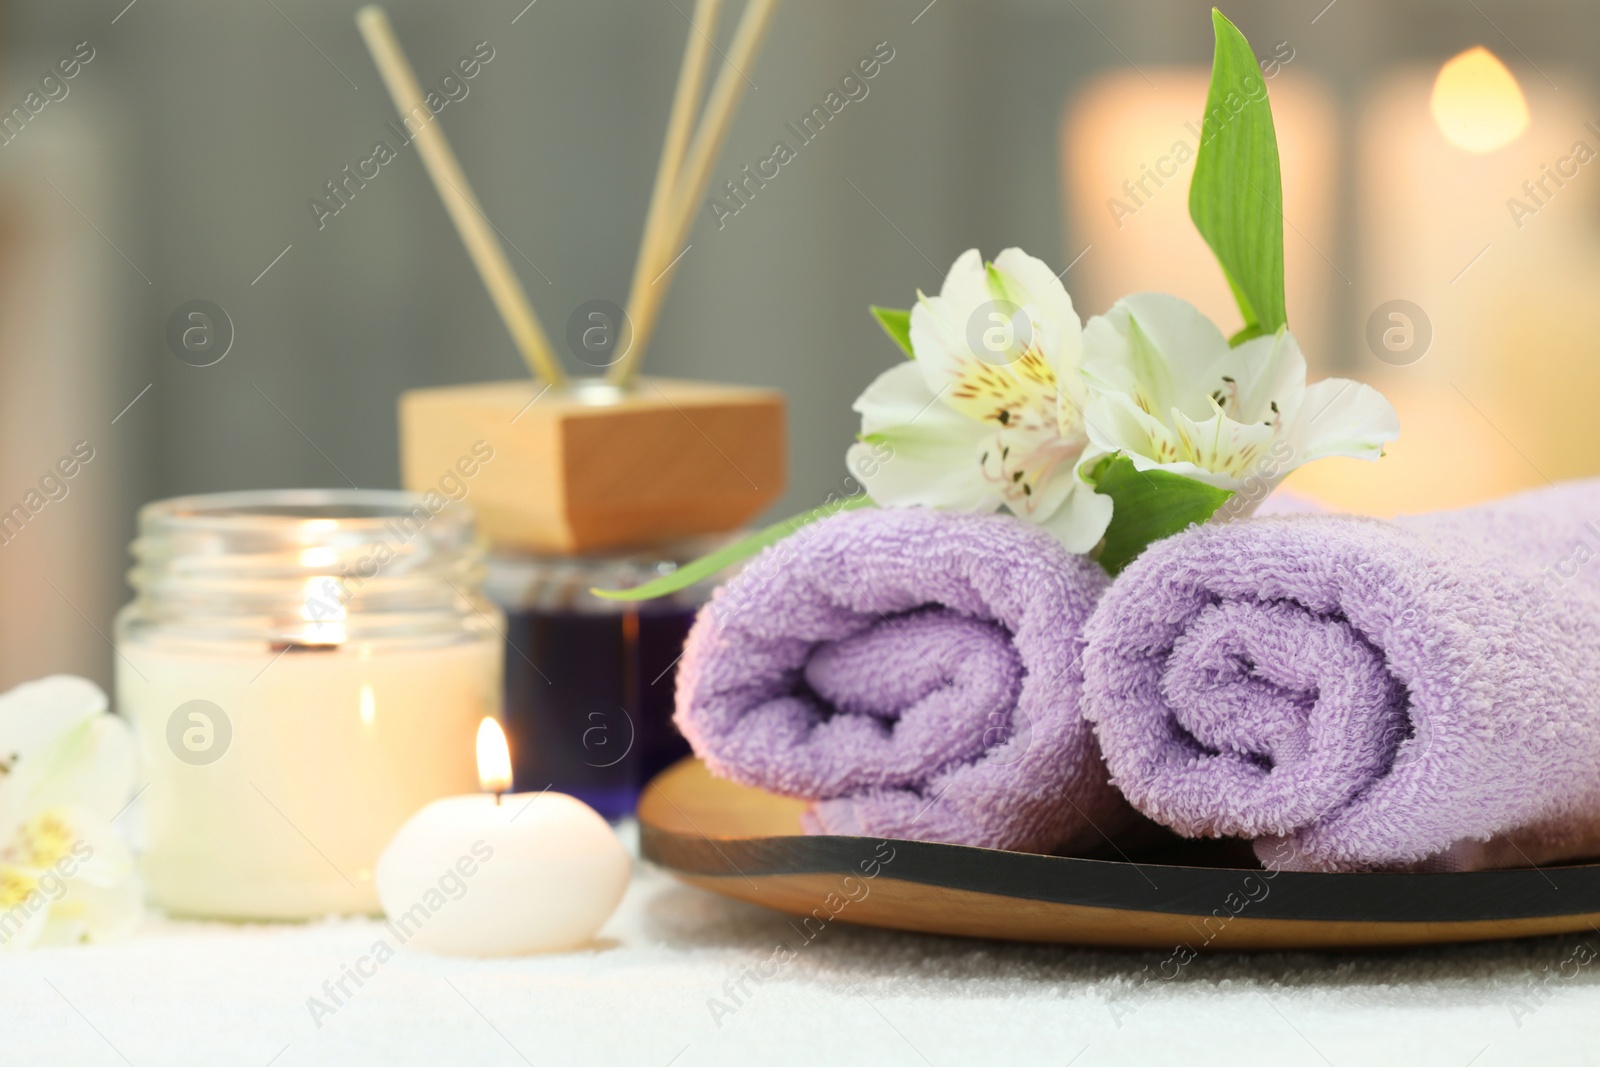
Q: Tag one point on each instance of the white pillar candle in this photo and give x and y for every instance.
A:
(493, 875)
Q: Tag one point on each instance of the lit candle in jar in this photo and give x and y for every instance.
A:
(501, 875)
(296, 699)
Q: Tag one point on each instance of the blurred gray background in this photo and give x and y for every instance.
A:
(181, 163)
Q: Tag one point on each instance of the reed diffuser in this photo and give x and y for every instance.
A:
(596, 481)
(615, 461)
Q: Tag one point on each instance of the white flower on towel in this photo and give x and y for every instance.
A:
(66, 771)
(1167, 390)
(989, 413)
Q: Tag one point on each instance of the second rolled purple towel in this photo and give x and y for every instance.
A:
(1360, 694)
(914, 674)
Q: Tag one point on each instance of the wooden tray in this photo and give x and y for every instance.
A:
(747, 844)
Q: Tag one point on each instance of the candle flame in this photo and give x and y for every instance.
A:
(323, 609)
(1477, 102)
(319, 556)
(494, 758)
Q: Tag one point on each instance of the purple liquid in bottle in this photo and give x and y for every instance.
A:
(589, 683)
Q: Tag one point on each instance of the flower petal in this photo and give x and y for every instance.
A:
(895, 397)
(1056, 329)
(1081, 519)
(92, 766)
(921, 466)
(92, 912)
(1116, 423)
(18, 887)
(1340, 417)
(915, 450)
(1224, 446)
(1031, 469)
(999, 394)
(1264, 371)
(1188, 470)
(1158, 349)
(1044, 290)
(967, 283)
(103, 896)
(67, 749)
(1013, 378)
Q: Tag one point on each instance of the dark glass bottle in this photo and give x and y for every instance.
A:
(589, 682)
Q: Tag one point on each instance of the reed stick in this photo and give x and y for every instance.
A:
(680, 124)
(505, 289)
(691, 183)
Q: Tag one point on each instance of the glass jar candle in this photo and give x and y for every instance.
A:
(304, 670)
(589, 682)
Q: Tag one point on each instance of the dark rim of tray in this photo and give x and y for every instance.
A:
(1525, 893)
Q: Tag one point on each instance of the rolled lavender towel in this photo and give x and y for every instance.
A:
(915, 674)
(1358, 694)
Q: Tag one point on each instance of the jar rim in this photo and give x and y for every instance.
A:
(312, 566)
(351, 508)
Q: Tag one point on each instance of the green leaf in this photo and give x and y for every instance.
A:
(1246, 334)
(1236, 196)
(1149, 505)
(897, 324)
(727, 556)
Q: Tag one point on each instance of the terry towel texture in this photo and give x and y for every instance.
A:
(1360, 694)
(915, 674)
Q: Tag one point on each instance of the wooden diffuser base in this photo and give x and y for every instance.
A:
(586, 466)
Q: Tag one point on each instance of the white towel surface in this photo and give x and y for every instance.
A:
(214, 994)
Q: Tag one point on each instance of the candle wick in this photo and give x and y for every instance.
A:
(497, 796)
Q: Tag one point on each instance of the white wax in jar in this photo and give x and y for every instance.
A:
(330, 751)
(537, 872)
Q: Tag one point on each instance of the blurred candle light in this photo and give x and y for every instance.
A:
(1477, 102)
(1476, 204)
(324, 613)
(1127, 154)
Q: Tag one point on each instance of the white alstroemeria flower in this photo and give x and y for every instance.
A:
(989, 414)
(1166, 389)
(66, 771)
